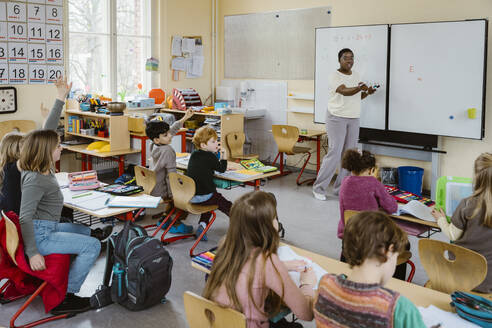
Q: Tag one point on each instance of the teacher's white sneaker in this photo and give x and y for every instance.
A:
(319, 196)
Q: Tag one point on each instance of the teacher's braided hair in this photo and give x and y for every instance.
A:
(358, 161)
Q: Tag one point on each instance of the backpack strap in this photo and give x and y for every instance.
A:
(108, 270)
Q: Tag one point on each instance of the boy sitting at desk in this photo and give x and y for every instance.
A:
(201, 166)
(164, 161)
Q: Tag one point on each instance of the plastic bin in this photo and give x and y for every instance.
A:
(410, 179)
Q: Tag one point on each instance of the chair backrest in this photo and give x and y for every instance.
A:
(11, 236)
(463, 269)
(203, 313)
(285, 136)
(235, 142)
(183, 190)
(347, 214)
(146, 178)
(22, 126)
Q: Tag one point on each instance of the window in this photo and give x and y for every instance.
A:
(109, 42)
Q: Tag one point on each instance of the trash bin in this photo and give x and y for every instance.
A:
(389, 176)
(410, 179)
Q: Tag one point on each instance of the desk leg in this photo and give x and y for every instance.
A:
(257, 184)
(143, 152)
(84, 162)
(121, 164)
(89, 162)
(57, 166)
(183, 142)
(318, 152)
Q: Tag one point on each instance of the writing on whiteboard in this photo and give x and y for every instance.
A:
(356, 37)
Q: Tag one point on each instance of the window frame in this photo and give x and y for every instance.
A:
(113, 42)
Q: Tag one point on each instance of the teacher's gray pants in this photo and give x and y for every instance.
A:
(343, 134)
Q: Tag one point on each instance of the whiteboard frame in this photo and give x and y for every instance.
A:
(484, 77)
(388, 44)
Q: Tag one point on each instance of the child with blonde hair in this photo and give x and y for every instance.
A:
(40, 210)
(247, 274)
(201, 167)
(371, 245)
(471, 223)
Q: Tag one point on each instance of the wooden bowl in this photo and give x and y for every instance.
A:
(116, 106)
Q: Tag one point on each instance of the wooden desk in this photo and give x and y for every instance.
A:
(125, 213)
(314, 135)
(254, 181)
(116, 155)
(419, 295)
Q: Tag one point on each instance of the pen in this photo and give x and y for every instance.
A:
(82, 195)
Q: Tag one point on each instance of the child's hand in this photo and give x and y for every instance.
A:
(189, 113)
(437, 214)
(44, 111)
(296, 265)
(62, 88)
(308, 277)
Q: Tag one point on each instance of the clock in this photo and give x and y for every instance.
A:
(8, 100)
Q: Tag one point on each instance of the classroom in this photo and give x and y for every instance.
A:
(140, 92)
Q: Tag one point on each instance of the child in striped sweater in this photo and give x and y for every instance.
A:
(371, 244)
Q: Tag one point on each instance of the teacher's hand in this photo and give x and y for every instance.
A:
(371, 90)
(363, 86)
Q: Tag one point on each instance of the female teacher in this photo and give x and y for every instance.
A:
(342, 121)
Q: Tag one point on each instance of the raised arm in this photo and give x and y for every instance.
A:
(62, 90)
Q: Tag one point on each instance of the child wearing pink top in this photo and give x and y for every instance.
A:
(247, 274)
(362, 191)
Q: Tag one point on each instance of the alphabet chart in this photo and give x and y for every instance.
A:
(31, 41)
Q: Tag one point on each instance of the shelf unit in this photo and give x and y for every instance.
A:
(228, 122)
(119, 136)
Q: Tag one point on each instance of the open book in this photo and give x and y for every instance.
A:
(417, 209)
(433, 316)
(285, 253)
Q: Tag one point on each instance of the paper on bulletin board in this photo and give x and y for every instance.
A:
(176, 46)
(178, 64)
(188, 45)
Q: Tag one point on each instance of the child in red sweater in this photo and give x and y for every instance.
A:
(362, 191)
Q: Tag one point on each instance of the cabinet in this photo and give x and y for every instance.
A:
(117, 127)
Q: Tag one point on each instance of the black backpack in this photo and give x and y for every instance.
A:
(139, 268)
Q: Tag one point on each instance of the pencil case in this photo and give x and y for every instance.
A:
(473, 308)
(85, 180)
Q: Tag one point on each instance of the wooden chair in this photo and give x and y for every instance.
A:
(466, 271)
(183, 189)
(286, 137)
(235, 143)
(403, 257)
(203, 313)
(146, 178)
(22, 126)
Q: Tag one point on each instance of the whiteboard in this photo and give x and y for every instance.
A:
(436, 75)
(370, 47)
(272, 45)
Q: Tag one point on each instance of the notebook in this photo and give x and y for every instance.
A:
(417, 209)
(146, 201)
(255, 165)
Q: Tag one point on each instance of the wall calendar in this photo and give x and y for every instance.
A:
(31, 41)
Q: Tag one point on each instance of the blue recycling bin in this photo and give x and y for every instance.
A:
(410, 179)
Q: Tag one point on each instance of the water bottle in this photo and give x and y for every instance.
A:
(118, 271)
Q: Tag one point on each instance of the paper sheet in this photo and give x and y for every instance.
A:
(188, 45)
(146, 201)
(176, 46)
(178, 64)
(417, 209)
(89, 200)
(285, 253)
(197, 65)
(198, 50)
(433, 316)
